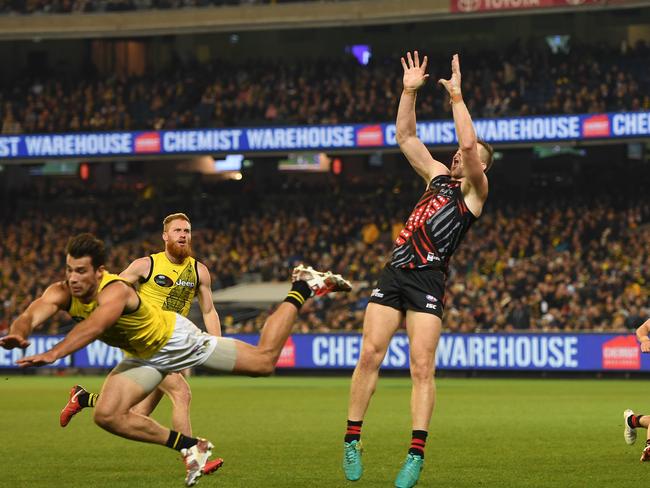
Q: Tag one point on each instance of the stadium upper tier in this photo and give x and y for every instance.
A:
(93, 6)
(518, 81)
(84, 19)
(555, 260)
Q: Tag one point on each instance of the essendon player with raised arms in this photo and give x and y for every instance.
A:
(412, 284)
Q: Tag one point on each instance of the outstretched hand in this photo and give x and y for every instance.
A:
(452, 85)
(12, 341)
(37, 360)
(414, 73)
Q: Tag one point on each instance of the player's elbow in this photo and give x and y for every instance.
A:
(468, 145)
(402, 137)
(24, 318)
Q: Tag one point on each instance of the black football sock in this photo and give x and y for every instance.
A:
(353, 432)
(633, 421)
(418, 441)
(178, 441)
(299, 294)
(87, 399)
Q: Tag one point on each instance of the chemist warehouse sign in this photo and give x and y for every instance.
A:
(512, 352)
(320, 137)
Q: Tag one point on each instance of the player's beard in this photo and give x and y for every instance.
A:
(179, 252)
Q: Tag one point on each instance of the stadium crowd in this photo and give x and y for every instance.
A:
(98, 6)
(545, 264)
(521, 80)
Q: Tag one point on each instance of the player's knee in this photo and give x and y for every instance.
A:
(105, 418)
(182, 396)
(371, 357)
(266, 366)
(265, 371)
(141, 409)
(422, 370)
(180, 392)
(186, 395)
(263, 365)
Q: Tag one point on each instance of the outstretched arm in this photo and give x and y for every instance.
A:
(465, 131)
(112, 300)
(210, 316)
(642, 335)
(412, 147)
(137, 270)
(55, 298)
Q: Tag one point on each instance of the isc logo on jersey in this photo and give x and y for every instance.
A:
(431, 298)
(377, 293)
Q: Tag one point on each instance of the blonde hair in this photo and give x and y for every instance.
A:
(490, 154)
(175, 216)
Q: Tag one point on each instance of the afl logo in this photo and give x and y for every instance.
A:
(469, 5)
(163, 280)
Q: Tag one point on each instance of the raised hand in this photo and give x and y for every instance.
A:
(37, 360)
(414, 73)
(452, 85)
(12, 341)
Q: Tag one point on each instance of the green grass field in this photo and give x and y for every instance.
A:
(287, 432)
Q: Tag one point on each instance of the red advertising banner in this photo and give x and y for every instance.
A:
(621, 353)
(288, 355)
(466, 6)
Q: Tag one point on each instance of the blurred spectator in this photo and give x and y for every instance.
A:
(549, 264)
(329, 91)
(75, 6)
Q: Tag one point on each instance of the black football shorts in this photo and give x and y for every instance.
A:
(421, 290)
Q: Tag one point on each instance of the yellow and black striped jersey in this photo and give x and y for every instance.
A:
(171, 286)
(140, 333)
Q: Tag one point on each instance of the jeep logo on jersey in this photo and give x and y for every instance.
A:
(163, 280)
(188, 284)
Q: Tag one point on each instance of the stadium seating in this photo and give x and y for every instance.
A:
(530, 266)
(95, 6)
(522, 80)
